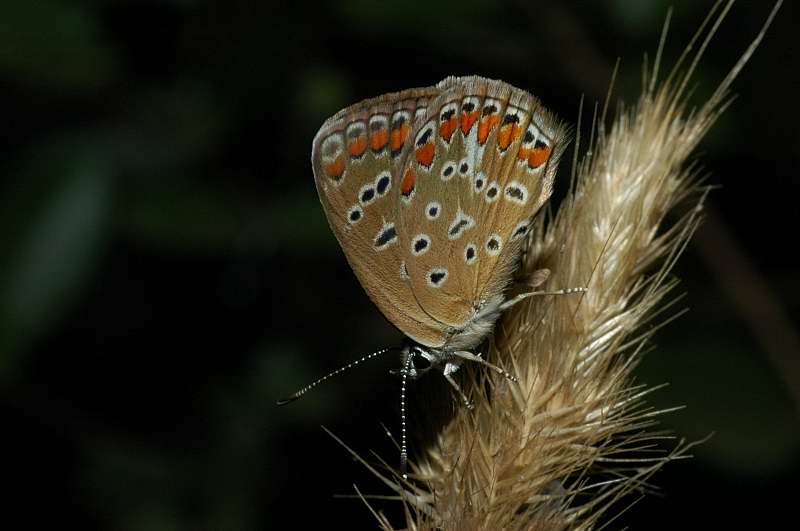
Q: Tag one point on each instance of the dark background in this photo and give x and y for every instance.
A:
(167, 273)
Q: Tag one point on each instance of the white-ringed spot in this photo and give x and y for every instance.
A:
(437, 276)
(354, 214)
(492, 192)
(386, 236)
(516, 192)
(461, 223)
(366, 196)
(470, 253)
(520, 230)
(420, 244)
(448, 170)
(383, 183)
(464, 167)
(479, 182)
(494, 244)
(433, 210)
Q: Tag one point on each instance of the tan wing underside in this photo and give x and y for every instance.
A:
(469, 284)
(347, 164)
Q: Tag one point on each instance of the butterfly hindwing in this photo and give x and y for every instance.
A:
(482, 164)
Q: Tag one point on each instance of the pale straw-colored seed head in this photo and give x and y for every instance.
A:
(575, 435)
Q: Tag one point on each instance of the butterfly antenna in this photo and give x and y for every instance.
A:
(312, 385)
(403, 445)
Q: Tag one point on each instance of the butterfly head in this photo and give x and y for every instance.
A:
(418, 360)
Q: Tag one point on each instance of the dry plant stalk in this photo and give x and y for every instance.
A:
(560, 448)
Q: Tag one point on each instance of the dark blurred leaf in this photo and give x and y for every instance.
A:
(56, 230)
(54, 44)
(728, 390)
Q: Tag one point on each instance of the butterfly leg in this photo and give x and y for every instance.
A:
(449, 369)
(522, 296)
(464, 354)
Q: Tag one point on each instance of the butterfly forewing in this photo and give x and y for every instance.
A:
(356, 158)
(481, 165)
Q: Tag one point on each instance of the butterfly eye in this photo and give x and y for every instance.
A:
(422, 364)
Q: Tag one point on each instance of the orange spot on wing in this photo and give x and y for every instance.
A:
(398, 137)
(538, 157)
(357, 146)
(407, 184)
(446, 129)
(505, 136)
(524, 153)
(468, 120)
(485, 127)
(378, 139)
(335, 169)
(425, 154)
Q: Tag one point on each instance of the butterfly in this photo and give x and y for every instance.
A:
(431, 193)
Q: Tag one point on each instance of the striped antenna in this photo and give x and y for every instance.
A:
(312, 385)
(403, 443)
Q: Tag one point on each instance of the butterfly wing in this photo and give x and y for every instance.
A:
(481, 165)
(356, 157)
